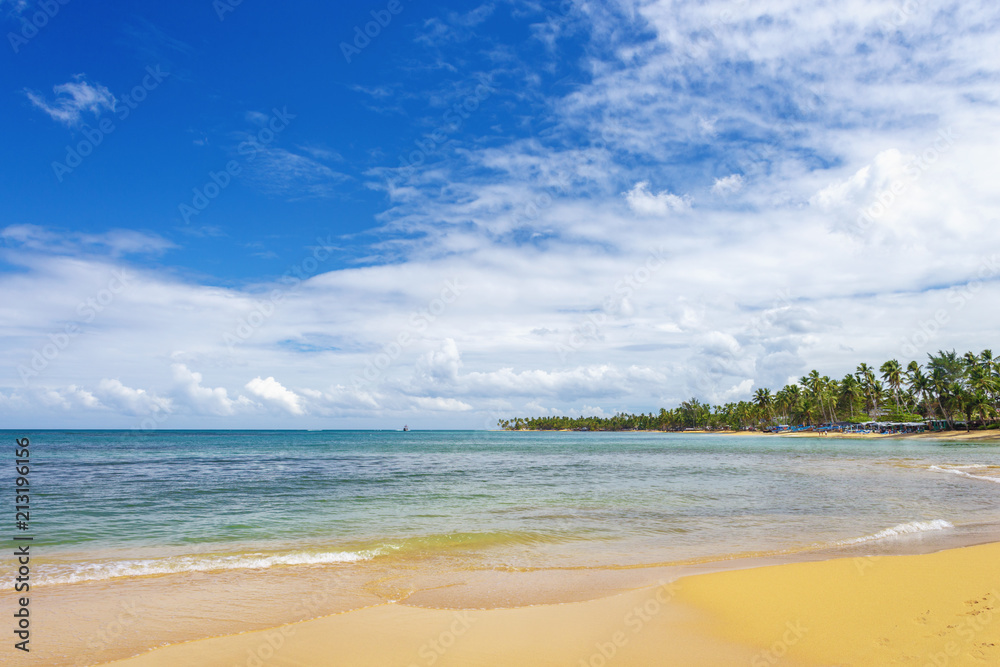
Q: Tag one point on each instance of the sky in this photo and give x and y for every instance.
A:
(363, 215)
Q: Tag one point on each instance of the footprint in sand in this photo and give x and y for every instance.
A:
(976, 609)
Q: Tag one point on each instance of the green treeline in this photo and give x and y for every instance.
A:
(956, 389)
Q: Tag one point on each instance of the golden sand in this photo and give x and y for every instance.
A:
(939, 609)
(956, 436)
(934, 609)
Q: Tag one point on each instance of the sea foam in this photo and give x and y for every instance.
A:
(71, 574)
(961, 470)
(901, 529)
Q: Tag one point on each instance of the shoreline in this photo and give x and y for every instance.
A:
(861, 610)
(589, 597)
(985, 436)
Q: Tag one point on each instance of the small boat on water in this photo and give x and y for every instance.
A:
(406, 428)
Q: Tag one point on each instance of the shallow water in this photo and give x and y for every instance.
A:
(112, 504)
(162, 537)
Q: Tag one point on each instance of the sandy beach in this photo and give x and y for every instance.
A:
(992, 436)
(945, 436)
(932, 609)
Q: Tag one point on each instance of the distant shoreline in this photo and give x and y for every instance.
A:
(935, 435)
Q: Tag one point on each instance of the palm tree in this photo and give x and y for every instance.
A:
(743, 413)
(787, 400)
(764, 401)
(830, 389)
(808, 410)
(947, 373)
(990, 365)
(920, 385)
(978, 403)
(942, 391)
(816, 387)
(971, 361)
(914, 375)
(981, 380)
(866, 377)
(892, 373)
(850, 392)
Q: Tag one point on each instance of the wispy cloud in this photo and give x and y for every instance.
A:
(74, 100)
(280, 172)
(454, 26)
(115, 242)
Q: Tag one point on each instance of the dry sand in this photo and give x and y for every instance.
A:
(938, 609)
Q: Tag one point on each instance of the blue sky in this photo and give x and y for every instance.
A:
(482, 210)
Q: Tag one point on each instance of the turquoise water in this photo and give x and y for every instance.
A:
(110, 504)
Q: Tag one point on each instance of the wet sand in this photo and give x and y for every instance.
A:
(939, 608)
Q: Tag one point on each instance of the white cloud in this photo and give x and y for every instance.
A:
(836, 110)
(442, 365)
(271, 391)
(898, 197)
(73, 100)
(130, 401)
(707, 126)
(441, 404)
(738, 392)
(719, 342)
(205, 400)
(115, 241)
(644, 202)
(729, 185)
(75, 396)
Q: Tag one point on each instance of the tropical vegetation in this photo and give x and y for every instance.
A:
(960, 391)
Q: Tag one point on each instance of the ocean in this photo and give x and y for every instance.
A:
(112, 504)
(211, 527)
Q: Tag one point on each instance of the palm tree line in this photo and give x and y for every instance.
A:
(959, 390)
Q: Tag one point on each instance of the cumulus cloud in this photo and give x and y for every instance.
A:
(897, 197)
(272, 392)
(442, 365)
(644, 202)
(738, 392)
(73, 100)
(205, 400)
(863, 188)
(130, 401)
(70, 398)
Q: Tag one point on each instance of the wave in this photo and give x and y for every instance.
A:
(961, 470)
(901, 529)
(71, 574)
(442, 544)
